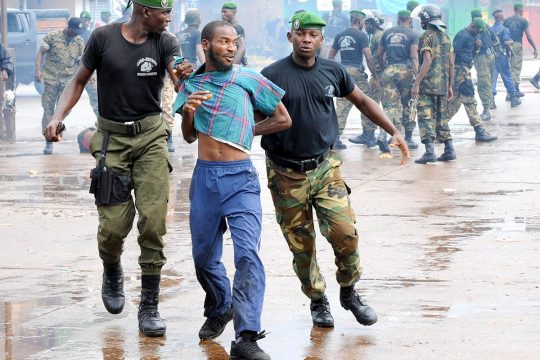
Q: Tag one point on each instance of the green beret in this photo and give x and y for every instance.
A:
(404, 14)
(518, 6)
(476, 13)
(85, 14)
(411, 5)
(229, 5)
(358, 12)
(156, 4)
(306, 20)
(479, 24)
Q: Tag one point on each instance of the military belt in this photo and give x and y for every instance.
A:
(131, 128)
(298, 165)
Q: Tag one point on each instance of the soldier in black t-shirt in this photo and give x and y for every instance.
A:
(353, 45)
(304, 173)
(228, 14)
(190, 38)
(130, 147)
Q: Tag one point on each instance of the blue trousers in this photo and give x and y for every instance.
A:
(502, 66)
(224, 193)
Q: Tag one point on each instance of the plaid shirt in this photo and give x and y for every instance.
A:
(228, 116)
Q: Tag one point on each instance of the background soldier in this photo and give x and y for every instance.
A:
(353, 45)
(228, 14)
(433, 85)
(336, 21)
(465, 45)
(518, 25)
(64, 49)
(190, 38)
(503, 51)
(400, 45)
(484, 66)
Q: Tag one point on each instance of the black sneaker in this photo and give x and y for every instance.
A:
(320, 313)
(214, 326)
(246, 348)
(350, 300)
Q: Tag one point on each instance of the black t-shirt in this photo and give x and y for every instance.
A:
(464, 46)
(130, 76)
(240, 32)
(309, 99)
(189, 39)
(517, 26)
(397, 42)
(335, 23)
(350, 43)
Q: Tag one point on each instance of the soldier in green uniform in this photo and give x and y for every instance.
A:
(353, 46)
(398, 53)
(518, 25)
(433, 85)
(63, 50)
(130, 147)
(304, 174)
(465, 45)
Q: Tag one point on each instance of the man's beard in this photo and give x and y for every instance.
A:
(217, 62)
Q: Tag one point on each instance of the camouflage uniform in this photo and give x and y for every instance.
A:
(484, 72)
(432, 102)
(462, 74)
(294, 193)
(375, 92)
(516, 61)
(167, 100)
(343, 106)
(397, 81)
(61, 62)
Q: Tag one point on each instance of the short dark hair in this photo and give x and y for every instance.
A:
(209, 30)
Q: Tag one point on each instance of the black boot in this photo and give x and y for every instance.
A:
(449, 153)
(246, 348)
(485, 115)
(518, 92)
(112, 288)
(350, 300)
(514, 101)
(150, 323)
(48, 149)
(408, 138)
(429, 156)
(534, 81)
(339, 145)
(482, 135)
(320, 313)
(493, 106)
(366, 138)
(214, 326)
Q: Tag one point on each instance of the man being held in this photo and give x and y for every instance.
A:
(131, 60)
(400, 45)
(223, 107)
(304, 174)
(353, 45)
(228, 14)
(64, 49)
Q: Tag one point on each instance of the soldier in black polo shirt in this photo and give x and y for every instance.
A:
(303, 172)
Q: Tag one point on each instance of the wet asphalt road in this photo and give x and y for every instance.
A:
(450, 254)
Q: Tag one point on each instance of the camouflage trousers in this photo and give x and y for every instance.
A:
(295, 195)
(91, 90)
(484, 72)
(397, 81)
(343, 106)
(49, 99)
(167, 101)
(463, 74)
(432, 113)
(516, 61)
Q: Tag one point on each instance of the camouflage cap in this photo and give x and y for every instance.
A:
(476, 13)
(85, 14)
(306, 20)
(411, 5)
(156, 4)
(479, 24)
(358, 12)
(518, 6)
(229, 5)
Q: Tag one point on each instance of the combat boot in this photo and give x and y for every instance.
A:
(112, 288)
(508, 97)
(485, 115)
(514, 101)
(170, 144)
(214, 326)
(366, 138)
(449, 153)
(408, 138)
(246, 348)
(429, 156)
(320, 313)
(339, 145)
(482, 135)
(150, 323)
(518, 92)
(48, 149)
(350, 300)
(534, 81)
